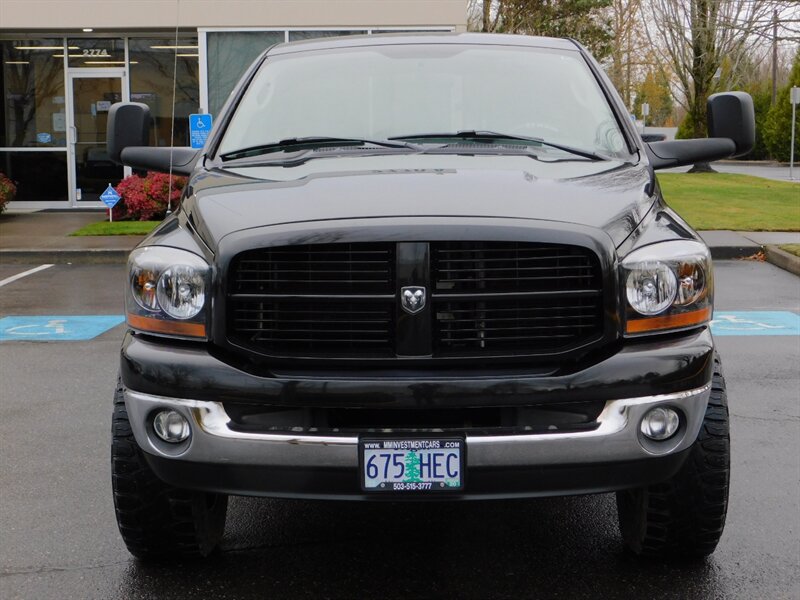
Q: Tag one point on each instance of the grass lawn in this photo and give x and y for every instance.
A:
(791, 248)
(705, 200)
(117, 228)
(737, 202)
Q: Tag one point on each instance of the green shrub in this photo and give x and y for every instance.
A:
(686, 128)
(762, 100)
(778, 124)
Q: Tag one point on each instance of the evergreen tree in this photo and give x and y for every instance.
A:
(654, 90)
(778, 124)
(585, 20)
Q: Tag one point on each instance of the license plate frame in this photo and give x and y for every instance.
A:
(402, 447)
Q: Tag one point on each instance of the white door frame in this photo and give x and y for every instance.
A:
(120, 73)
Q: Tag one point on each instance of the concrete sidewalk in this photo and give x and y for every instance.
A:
(43, 237)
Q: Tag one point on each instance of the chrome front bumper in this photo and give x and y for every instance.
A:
(616, 439)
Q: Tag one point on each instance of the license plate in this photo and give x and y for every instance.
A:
(411, 465)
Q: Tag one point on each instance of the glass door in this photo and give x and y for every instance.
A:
(92, 92)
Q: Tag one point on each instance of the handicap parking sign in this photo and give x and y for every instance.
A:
(199, 128)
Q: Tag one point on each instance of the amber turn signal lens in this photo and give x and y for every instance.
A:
(167, 327)
(687, 319)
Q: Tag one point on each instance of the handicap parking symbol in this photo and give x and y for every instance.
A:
(67, 328)
(199, 128)
(755, 322)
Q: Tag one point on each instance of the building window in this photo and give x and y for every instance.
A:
(33, 118)
(295, 36)
(32, 114)
(153, 63)
(229, 55)
(39, 176)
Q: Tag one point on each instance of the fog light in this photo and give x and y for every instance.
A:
(171, 426)
(660, 423)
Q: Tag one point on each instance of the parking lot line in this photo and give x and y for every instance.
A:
(13, 278)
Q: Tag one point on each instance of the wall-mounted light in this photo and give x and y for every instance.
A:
(88, 30)
(45, 47)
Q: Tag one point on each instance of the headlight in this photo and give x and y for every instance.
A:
(167, 291)
(668, 286)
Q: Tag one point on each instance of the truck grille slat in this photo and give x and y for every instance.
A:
(362, 268)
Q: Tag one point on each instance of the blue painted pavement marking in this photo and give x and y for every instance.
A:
(755, 322)
(76, 328)
(66, 328)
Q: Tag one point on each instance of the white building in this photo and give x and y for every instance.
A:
(64, 62)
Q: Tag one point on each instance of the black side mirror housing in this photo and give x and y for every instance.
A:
(731, 115)
(732, 131)
(128, 125)
(128, 137)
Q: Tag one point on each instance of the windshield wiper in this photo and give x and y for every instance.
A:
(491, 136)
(310, 142)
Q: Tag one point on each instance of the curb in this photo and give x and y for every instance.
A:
(734, 252)
(784, 260)
(98, 256)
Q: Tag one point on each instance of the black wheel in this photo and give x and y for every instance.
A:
(685, 515)
(156, 520)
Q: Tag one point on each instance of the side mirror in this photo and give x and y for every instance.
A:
(128, 137)
(731, 115)
(128, 125)
(732, 130)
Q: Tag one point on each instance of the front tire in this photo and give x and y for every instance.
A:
(156, 520)
(685, 515)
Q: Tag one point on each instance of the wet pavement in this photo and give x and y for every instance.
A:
(58, 537)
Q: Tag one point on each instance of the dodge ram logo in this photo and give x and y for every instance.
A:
(412, 299)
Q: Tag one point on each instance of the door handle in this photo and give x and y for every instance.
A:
(73, 133)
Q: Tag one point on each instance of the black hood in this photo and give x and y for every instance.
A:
(611, 196)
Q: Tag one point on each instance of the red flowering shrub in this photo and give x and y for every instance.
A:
(145, 198)
(7, 191)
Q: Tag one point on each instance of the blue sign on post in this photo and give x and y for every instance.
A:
(199, 128)
(110, 197)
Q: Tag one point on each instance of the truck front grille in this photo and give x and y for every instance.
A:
(514, 297)
(341, 301)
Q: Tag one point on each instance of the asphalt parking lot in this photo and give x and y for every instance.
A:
(58, 537)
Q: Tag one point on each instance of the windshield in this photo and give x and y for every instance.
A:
(383, 92)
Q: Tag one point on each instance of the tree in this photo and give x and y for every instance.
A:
(778, 124)
(626, 31)
(655, 91)
(585, 20)
(695, 36)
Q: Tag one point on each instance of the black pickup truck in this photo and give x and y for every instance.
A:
(422, 267)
